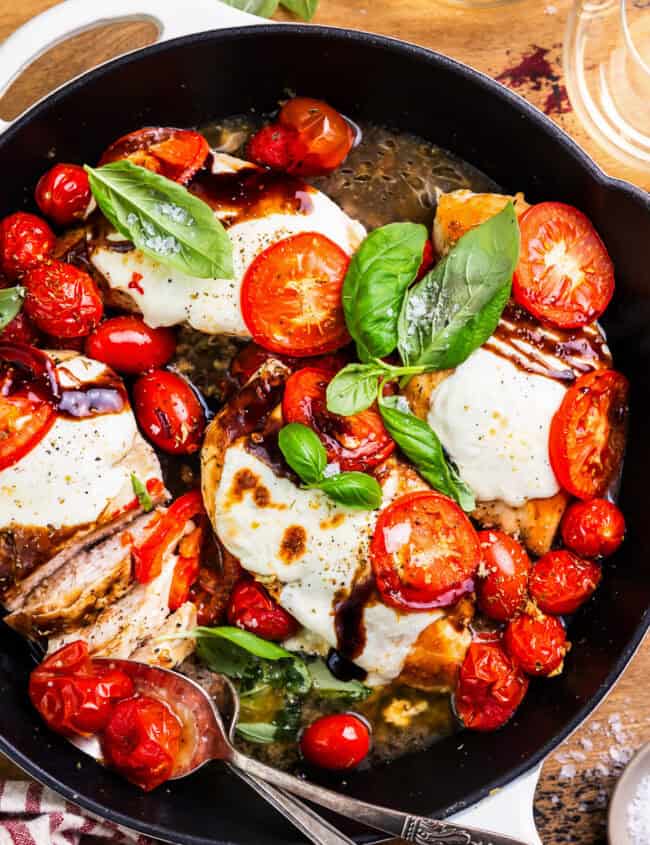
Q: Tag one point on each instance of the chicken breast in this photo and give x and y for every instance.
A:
(459, 211)
(169, 653)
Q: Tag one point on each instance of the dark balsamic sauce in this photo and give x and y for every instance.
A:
(249, 410)
(344, 669)
(348, 618)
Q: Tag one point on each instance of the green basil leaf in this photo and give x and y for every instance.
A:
(11, 301)
(262, 732)
(244, 640)
(353, 389)
(163, 219)
(353, 489)
(142, 493)
(261, 8)
(224, 657)
(305, 9)
(420, 444)
(297, 677)
(303, 451)
(456, 307)
(327, 686)
(380, 272)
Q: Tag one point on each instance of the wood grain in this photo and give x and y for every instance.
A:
(521, 44)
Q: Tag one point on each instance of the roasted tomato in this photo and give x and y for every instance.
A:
(358, 442)
(536, 643)
(593, 529)
(187, 567)
(587, 437)
(291, 296)
(129, 345)
(20, 330)
(176, 154)
(169, 412)
(560, 582)
(142, 741)
(25, 242)
(62, 300)
(324, 136)
(565, 275)
(427, 260)
(502, 591)
(74, 695)
(253, 609)
(274, 146)
(424, 552)
(63, 193)
(251, 357)
(340, 741)
(490, 687)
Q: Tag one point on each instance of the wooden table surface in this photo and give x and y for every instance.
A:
(520, 44)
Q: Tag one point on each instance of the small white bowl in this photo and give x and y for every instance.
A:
(624, 793)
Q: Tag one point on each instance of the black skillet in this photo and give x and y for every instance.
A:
(195, 79)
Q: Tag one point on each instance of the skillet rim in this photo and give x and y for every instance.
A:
(542, 124)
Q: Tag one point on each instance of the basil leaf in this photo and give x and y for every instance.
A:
(303, 451)
(262, 732)
(353, 489)
(305, 9)
(380, 272)
(353, 389)
(11, 301)
(456, 307)
(142, 493)
(163, 219)
(327, 686)
(243, 639)
(262, 8)
(421, 445)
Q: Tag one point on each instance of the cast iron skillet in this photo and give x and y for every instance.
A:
(194, 79)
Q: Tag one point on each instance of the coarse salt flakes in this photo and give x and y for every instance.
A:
(638, 814)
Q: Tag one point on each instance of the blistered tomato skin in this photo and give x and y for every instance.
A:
(129, 345)
(20, 330)
(502, 589)
(169, 412)
(252, 608)
(337, 742)
(63, 193)
(273, 146)
(537, 644)
(62, 300)
(593, 529)
(25, 242)
(561, 581)
(324, 136)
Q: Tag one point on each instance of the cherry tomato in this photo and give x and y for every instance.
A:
(169, 412)
(593, 529)
(187, 567)
(72, 694)
(20, 330)
(536, 643)
(142, 741)
(424, 552)
(587, 437)
(340, 741)
(253, 609)
(324, 136)
(565, 275)
(25, 242)
(358, 442)
(291, 296)
(176, 154)
(560, 582)
(427, 260)
(63, 193)
(490, 687)
(251, 357)
(502, 592)
(274, 146)
(62, 300)
(129, 345)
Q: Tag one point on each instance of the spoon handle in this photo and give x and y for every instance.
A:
(308, 822)
(417, 829)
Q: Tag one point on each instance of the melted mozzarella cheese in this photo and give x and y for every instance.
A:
(317, 550)
(494, 420)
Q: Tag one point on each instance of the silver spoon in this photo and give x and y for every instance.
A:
(624, 793)
(205, 738)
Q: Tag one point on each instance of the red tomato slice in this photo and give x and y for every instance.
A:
(565, 275)
(358, 442)
(587, 437)
(424, 552)
(291, 296)
(176, 154)
(187, 568)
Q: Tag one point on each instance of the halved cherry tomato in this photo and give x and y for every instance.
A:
(142, 741)
(565, 275)
(587, 437)
(536, 643)
(560, 582)
(324, 136)
(502, 591)
(339, 741)
(72, 694)
(593, 529)
(358, 442)
(427, 260)
(291, 296)
(253, 609)
(424, 552)
(169, 412)
(148, 557)
(176, 154)
(62, 300)
(274, 146)
(25, 242)
(490, 687)
(129, 345)
(187, 567)
(63, 193)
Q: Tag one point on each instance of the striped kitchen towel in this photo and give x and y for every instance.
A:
(31, 814)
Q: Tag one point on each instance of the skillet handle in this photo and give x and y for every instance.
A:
(172, 18)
